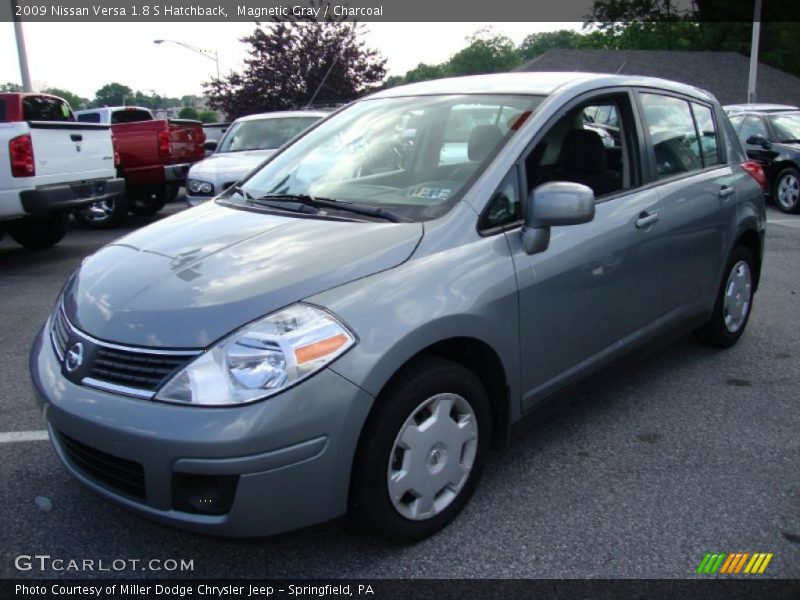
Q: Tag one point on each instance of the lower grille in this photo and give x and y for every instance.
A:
(122, 475)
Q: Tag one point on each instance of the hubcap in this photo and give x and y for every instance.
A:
(432, 456)
(738, 293)
(98, 211)
(788, 191)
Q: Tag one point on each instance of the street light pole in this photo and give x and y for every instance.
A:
(209, 54)
(751, 79)
(23, 56)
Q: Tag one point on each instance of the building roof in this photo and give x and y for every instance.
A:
(724, 74)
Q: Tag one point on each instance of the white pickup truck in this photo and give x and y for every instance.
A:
(49, 165)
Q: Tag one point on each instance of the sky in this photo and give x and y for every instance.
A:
(81, 57)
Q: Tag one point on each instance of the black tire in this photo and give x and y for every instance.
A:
(716, 332)
(42, 232)
(114, 212)
(149, 202)
(790, 203)
(371, 508)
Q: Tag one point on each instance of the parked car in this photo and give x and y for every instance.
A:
(757, 107)
(155, 155)
(302, 348)
(773, 140)
(49, 165)
(246, 144)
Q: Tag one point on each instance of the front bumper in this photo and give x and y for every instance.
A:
(291, 454)
(46, 199)
(176, 173)
(197, 200)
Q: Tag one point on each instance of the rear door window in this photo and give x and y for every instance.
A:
(44, 108)
(673, 136)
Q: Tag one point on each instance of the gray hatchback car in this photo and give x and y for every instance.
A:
(351, 327)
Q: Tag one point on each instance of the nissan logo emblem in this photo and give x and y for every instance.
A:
(74, 358)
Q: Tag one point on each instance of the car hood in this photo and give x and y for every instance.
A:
(190, 279)
(229, 164)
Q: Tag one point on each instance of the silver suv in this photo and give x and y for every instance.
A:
(351, 328)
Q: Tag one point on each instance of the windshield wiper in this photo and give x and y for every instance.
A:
(317, 203)
(238, 189)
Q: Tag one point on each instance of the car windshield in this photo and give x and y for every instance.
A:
(264, 134)
(787, 127)
(409, 155)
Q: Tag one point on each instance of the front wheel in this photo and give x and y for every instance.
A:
(734, 302)
(422, 451)
(32, 232)
(786, 191)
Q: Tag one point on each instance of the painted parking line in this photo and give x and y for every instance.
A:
(785, 222)
(23, 436)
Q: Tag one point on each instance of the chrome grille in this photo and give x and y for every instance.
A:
(121, 369)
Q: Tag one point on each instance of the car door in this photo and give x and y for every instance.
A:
(697, 193)
(754, 125)
(585, 297)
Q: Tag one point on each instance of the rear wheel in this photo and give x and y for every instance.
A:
(36, 232)
(422, 451)
(105, 214)
(149, 202)
(786, 191)
(734, 302)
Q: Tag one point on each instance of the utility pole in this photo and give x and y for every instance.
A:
(751, 80)
(23, 57)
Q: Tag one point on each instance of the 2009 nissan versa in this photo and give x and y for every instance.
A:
(350, 328)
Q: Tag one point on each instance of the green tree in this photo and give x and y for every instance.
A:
(113, 94)
(187, 112)
(10, 87)
(75, 101)
(486, 52)
(292, 64)
(208, 116)
(538, 43)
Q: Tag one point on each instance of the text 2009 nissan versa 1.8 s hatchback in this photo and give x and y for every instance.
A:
(351, 327)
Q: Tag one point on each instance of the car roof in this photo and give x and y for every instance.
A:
(280, 114)
(534, 83)
(759, 107)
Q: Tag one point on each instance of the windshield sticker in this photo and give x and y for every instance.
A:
(430, 192)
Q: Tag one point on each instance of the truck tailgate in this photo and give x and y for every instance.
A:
(186, 139)
(66, 152)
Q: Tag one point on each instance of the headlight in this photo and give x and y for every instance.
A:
(199, 187)
(261, 359)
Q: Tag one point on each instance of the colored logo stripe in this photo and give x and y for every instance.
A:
(735, 562)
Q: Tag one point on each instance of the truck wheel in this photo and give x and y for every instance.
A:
(105, 214)
(421, 452)
(33, 232)
(734, 302)
(786, 191)
(149, 202)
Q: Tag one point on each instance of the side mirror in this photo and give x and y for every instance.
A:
(210, 145)
(758, 140)
(552, 205)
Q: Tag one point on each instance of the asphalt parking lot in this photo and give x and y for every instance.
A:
(688, 451)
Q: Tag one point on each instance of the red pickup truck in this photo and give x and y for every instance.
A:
(154, 157)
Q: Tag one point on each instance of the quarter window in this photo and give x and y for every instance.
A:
(672, 135)
(706, 127)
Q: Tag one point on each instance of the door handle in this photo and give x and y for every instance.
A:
(645, 219)
(76, 137)
(726, 191)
